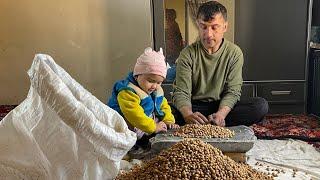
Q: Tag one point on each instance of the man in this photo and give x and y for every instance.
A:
(209, 76)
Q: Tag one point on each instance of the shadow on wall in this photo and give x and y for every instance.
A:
(129, 30)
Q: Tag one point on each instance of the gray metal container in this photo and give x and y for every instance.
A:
(242, 141)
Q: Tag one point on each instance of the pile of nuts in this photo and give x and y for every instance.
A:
(192, 159)
(203, 131)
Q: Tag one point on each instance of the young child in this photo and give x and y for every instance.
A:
(139, 98)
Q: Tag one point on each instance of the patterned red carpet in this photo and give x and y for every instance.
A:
(5, 109)
(301, 127)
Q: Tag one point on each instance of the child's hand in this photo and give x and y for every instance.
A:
(173, 126)
(161, 127)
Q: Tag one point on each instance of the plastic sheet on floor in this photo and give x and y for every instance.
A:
(294, 159)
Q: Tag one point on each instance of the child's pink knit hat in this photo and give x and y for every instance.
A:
(151, 62)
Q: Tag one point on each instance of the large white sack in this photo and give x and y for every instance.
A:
(61, 131)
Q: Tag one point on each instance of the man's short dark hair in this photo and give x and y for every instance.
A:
(209, 9)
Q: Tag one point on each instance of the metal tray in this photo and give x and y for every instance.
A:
(240, 143)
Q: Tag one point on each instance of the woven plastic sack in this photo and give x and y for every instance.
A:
(61, 131)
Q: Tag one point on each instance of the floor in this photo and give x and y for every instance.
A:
(288, 150)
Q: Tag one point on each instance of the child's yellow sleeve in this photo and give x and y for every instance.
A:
(168, 116)
(129, 103)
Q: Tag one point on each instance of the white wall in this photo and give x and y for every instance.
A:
(96, 41)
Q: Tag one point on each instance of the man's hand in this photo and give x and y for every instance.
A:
(196, 118)
(217, 119)
(161, 127)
